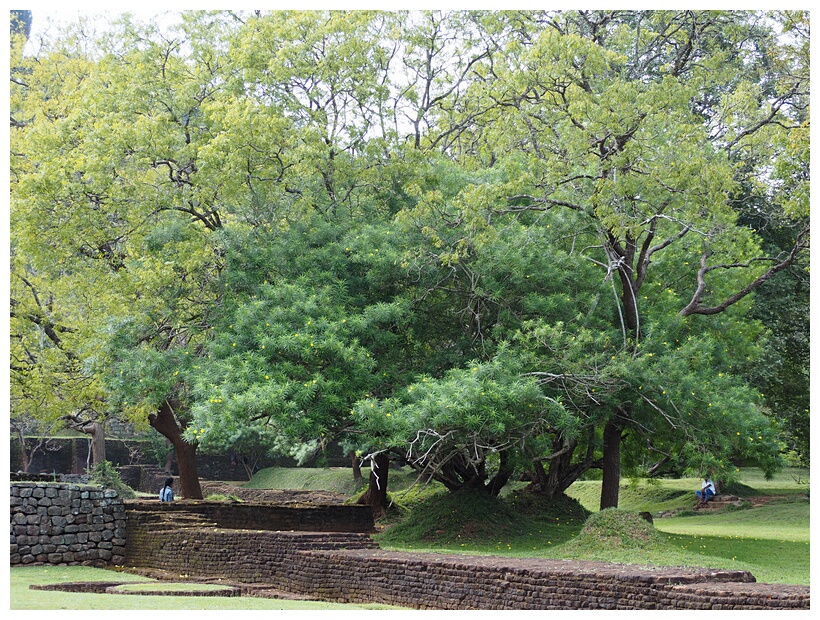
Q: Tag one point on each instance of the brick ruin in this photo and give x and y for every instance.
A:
(326, 552)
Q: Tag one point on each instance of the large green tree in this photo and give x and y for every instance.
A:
(246, 226)
(105, 167)
(642, 123)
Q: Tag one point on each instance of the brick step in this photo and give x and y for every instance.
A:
(162, 520)
(330, 540)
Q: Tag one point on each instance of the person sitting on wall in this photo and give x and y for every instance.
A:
(167, 493)
(707, 492)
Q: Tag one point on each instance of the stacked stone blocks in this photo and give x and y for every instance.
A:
(66, 524)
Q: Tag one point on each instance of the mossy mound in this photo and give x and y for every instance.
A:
(464, 515)
(617, 529)
(563, 509)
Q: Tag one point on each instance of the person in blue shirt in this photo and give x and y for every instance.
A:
(167, 493)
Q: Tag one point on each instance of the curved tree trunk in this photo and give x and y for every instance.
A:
(505, 472)
(562, 472)
(166, 424)
(86, 421)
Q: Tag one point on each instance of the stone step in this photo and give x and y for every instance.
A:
(721, 501)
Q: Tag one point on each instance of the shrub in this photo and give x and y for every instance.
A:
(220, 497)
(104, 475)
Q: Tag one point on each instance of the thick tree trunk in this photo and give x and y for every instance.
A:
(166, 424)
(188, 479)
(631, 276)
(95, 429)
(357, 468)
(562, 472)
(376, 494)
(611, 464)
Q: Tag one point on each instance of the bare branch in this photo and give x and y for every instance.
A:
(695, 306)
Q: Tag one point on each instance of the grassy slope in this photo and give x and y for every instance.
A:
(336, 479)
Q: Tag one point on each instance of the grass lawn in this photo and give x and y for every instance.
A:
(772, 541)
(21, 597)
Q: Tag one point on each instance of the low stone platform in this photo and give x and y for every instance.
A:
(349, 567)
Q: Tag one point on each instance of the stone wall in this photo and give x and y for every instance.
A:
(439, 581)
(70, 455)
(61, 523)
(350, 568)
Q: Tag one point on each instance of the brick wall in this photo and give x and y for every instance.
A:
(349, 567)
(283, 546)
(61, 523)
(255, 516)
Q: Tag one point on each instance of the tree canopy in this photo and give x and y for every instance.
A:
(484, 243)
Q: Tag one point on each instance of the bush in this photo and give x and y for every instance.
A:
(104, 475)
(220, 497)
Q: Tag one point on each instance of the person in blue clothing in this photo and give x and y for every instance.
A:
(167, 493)
(707, 491)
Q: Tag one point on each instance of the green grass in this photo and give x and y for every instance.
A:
(771, 542)
(21, 597)
(783, 520)
(335, 479)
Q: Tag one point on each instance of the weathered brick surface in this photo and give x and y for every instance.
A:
(349, 567)
(258, 516)
(62, 523)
